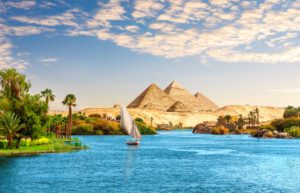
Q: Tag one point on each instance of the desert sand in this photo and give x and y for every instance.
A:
(188, 119)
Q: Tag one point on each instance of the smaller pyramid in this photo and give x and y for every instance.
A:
(153, 98)
(205, 103)
(178, 107)
(179, 93)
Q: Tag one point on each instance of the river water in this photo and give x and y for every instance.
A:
(174, 161)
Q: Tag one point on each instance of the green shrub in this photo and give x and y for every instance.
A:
(98, 132)
(281, 124)
(107, 127)
(25, 142)
(293, 131)
(41, 141)
(267, 127)
(144, 129)
(219, 131)
(140, 120)
(3, 144)
(83, 129)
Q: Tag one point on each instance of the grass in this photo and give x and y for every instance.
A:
(56, 146)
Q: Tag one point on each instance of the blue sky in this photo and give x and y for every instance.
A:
(233, 51)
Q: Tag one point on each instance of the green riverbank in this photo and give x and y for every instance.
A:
(57, 146)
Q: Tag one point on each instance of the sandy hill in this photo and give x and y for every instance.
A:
(266, 113)
(205, 103)
(153, 98)
(189, 119)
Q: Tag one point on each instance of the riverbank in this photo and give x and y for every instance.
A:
(58, 146)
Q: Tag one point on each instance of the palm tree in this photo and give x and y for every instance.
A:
(70, 101)
(221, 121)
(228, 118)
(13, 83)
(241, 121)
(10, 125)
(257, 115)
(48, 95)
(251, 118)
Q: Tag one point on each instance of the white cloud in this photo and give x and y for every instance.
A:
(132, 28)
(49, 60)
(23, 30)
(223, 30)
(6, 57)
(68, 19)
(146, 8)
(23, 4)
(111, 11)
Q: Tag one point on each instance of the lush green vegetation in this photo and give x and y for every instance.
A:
(288, 126)
(42, 145)
(99, 125)
(24, 123)
(291, 112)
(294, 131)
(219, 131)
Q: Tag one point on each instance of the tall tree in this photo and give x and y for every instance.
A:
(14, 85)
(70, 101)
(48, 95)
(228, 118)
(257, 115)
(241, 121)
(10, 125)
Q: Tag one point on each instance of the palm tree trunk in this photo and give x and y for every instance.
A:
(10, 141)
(66, 130)
(70, 122)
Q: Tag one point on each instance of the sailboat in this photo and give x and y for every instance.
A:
(129, 126)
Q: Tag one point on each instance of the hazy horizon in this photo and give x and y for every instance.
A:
(235, 52)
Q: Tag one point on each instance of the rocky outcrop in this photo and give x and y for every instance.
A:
(271, 134)
(201, 129)
(204, 128)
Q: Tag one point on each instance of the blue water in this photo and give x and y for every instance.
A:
(175, 161)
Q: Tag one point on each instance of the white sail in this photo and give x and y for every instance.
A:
(128, 125)
(126, 120)
(135, 133)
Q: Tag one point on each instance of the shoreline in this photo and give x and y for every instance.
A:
(41, 149)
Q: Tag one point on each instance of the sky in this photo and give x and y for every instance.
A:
(103, 51)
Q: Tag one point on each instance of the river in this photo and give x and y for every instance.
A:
(172, 161)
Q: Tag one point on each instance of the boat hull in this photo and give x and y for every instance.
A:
(132, 142)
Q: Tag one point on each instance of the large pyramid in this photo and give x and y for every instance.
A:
(153, 98)
(205, 103)
(178, 93)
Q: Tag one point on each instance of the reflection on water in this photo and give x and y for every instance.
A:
(131, 156)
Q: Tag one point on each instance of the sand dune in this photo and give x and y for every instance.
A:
(188, 119)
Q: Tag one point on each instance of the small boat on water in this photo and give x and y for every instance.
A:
(129, 126)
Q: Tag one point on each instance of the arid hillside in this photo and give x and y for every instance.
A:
(188, 119)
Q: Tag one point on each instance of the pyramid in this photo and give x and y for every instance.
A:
(178, 107)
(205, 103)
(153, 98)
(178, 93)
